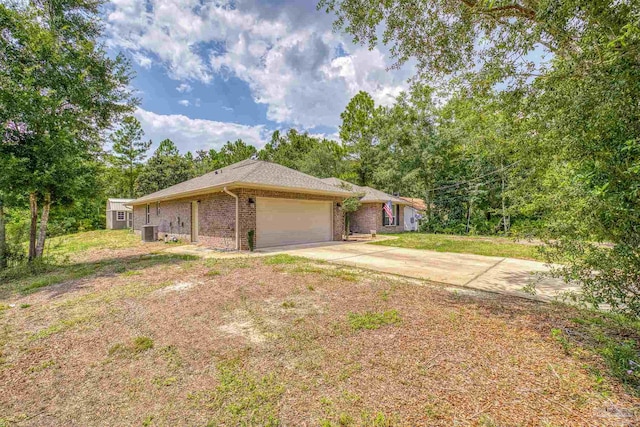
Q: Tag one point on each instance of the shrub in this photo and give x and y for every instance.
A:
(250, 238)
(608, 275)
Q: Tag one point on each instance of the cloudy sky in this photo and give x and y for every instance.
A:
(208, 72)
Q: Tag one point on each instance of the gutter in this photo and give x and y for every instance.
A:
(235, 196)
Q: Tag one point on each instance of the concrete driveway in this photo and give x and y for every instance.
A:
(504, 275)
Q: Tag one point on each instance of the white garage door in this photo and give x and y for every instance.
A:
(290, 222)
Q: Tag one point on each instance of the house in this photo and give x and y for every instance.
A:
(370, 215)
(413, 212)
(278, 205)
(119, 215)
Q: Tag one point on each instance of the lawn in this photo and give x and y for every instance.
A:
(489, 246)
(289, 341)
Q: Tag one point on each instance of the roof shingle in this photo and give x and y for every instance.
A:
(370, 195)
(249, 173)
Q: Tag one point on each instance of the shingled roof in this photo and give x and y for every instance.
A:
(247, 173)
(369, 195)
(118, 204)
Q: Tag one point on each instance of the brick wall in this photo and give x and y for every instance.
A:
(216, 216)
(369, 217)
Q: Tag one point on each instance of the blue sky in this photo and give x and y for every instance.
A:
(208, 72)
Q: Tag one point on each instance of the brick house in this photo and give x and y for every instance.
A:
(282, 207)
(370, 215)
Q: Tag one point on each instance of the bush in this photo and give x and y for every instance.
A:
(608, 275)
(250, 238)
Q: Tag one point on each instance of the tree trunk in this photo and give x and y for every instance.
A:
(469, 210)
(505, 221)
(44, 220)
(3, 239)
(33, 207)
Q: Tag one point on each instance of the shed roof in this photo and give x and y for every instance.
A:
(118, 205)
(370, 195)
(247, 173)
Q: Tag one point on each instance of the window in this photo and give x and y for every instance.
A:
(148, 214)
(396, 216)
(119, 216)
(158, 208)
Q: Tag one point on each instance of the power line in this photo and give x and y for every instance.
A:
(474, 179)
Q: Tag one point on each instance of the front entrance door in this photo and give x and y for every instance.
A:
(194, 222)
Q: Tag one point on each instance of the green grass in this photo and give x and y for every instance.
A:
(138, 345)
(98, 239)
(489, 246)
(371, 320)
(283, 259)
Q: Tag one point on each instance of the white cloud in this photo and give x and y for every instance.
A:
(184, 88)
(197, 134)
(184, 102)
(285, 52)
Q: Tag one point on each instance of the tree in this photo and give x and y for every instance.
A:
(358, 135)
(349, 206)
(206, 161)
(574, 114)
(166, 167)
(59, 91)
(233, 152)
(129, 152)
(300, 151)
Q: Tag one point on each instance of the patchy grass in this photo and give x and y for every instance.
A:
(370, 320)
(136, 346)
(489, 246)
(284, 259)
(34, 280)
(253, 341)
(242, 397)
(72, 244)
(614, 337)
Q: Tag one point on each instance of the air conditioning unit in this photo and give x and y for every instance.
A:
(149, 233)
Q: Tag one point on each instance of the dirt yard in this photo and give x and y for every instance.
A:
(288, 341)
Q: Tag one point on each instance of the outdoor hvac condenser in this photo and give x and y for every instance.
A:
(149, 233)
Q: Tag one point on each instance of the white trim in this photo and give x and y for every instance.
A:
(124, 216)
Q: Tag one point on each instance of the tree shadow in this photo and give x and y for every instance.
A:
(58, 279)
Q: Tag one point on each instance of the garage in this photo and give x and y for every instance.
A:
(290, 222)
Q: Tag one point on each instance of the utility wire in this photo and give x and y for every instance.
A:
(474, 179)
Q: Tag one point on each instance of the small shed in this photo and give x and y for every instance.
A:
(119, 216)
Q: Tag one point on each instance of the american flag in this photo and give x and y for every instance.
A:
(388, 210)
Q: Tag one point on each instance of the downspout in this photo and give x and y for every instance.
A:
(235, 196)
